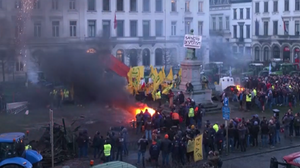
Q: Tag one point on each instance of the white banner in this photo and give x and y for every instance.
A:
(192, 41)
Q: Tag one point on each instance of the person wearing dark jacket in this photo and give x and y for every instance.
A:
(264, 132)
(175, 150)
(242, 130)
(154, 152)
(254, 133)
(165, 147)
(181, 98)
(96, 145)
(206, 142)
(231, 131)
(80, 141)
(119, 146)
(113, 141)
(219, 138)
(142, 146)
(272, 130)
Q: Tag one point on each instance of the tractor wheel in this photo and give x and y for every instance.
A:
(12, 166)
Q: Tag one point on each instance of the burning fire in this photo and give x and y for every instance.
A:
(239, 88)
(143, 107)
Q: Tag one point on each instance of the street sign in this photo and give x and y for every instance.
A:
(226, 101)
(226, 113)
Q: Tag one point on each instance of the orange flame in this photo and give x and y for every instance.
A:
(143, 107)
(239, 88)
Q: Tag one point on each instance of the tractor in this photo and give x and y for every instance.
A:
(13, 153)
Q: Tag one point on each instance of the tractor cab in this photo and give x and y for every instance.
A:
(13, 153)
(253, 69)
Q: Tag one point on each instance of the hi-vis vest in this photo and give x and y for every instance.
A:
(107, 148)
(273, 87)
(66, 93)
(28, 147)
(254, 91)
(54, 92)
(191, 112)
(216, 127)
(248, 98)
(157, 95)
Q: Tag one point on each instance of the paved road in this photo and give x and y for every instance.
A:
(260, 160)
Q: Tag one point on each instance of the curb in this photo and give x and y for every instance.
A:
(261, 152)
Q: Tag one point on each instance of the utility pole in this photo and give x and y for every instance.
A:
(51, 137)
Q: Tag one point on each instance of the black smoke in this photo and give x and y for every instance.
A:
(87, 72)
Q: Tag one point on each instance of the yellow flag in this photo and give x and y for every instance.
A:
(179, 73)
(155, 71)
(170, 75)
(190, 146)
(163, 73)
(198, 155)
(129, 77)
(167, 89)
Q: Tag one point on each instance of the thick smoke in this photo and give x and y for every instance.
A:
(88, 73)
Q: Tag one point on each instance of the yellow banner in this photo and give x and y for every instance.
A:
(163, 73)
(170, 75)
(179, 73)
(190, 146)
(134, 76)
(198, 154)
(167, 89)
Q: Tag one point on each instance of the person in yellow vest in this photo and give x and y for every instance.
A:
(158, 97)
(66, 94)
(28, 147)
(248, 101)
(191, 115)
(107, 151)
(216, 127)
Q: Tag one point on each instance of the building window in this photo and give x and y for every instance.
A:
(173, 5)
(133, 28)
(36, 4)
(146, 5)
(120, 5)
(120, 55)
(241, 13)
(220, 23)
(133, 57)
(248, 13)
(173, 28)
(256, 7)
(241, 50)
(55, 28)
(106, 5)
(92, 28)
(234, 49)
(256, 27)
(159, 28)
(256, 54)
(266, 54)
(18, 4)
(248, 51)
(297, 5)
(146, 28)
(146, 57)
(247, 31)
(91, 5)
(158, 57)
(187, 6)
(214, 26)
(54, 4)
(234, 14)
(158, 5)
(187, 27)
(275, 6)
(266, 7)
(200, 6)
(37, 29)
(200, 28)
(266, 28)
(120, 28)
(275, 27)
(73, 28)
(72, 5)
(276, 52)
(286, 5)
(227, 22)
(106, 28)
(19, 66)
(133, 4)
(297, 28)
(241, 31)
(234, 31)
(286, 31)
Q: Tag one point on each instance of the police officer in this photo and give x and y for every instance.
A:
(107, 150)
(248, 101)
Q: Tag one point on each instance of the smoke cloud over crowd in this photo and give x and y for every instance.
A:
(88, 73)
